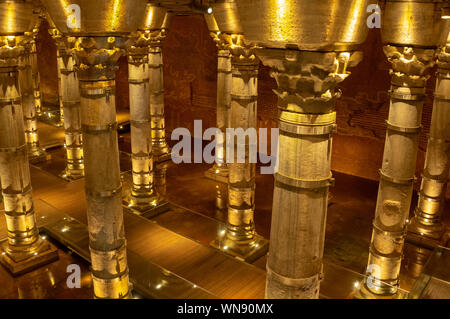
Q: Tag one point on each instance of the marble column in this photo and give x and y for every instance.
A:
(240, 238)
(219, 171)
(142, 197)
(161, 151)
(428, 213)
(101, 159)
(307, 93)
(70, 99)
(35, 152)
(24, 250)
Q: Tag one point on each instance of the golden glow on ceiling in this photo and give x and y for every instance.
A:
(148, 22)
(357, 10)
(283, 17)
(407, 21)
(11, 17)
(115, 14)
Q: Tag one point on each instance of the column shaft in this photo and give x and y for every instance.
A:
(141, 133)
(409, 68)
(156, 87)
(241, 174)
(24, 250)
(28, 104)
(23, 234)
(428, 213)
(70, 97)
(36, 75)
(101, 159)
(306, 102)
(224, 84)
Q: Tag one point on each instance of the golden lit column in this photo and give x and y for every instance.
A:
(24, 250)
(70, 99)
(96, 66)
(239, 238)
(308, 45)
(220, 169)
(142, 197)
(101, 29)
(35, 152)
(161, 151)
(410, 32)
(307, 94)
(428, 213)
(35, 70)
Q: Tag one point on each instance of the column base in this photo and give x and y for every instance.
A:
(51, 117)
(365, 293)
(248, 252)
(161, 154)
(38, 155)
(430, 232)
(69, 176)
(21, 264)
(146, 207)
(218, 174)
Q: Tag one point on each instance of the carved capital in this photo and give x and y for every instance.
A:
(137, 47)
(10, 51)
(242, 52)
(410, 66)
(307, 81)
(156, 37)
(96, 57)
(443, 59)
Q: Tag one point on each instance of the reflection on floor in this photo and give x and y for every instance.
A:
(178, 240)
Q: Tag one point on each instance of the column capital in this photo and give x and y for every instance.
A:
(137, 47)
(242, 52)
(97, 57)
(10, 50)
(307, 81)
(410, 65)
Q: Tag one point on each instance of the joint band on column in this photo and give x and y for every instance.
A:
(303, 129)
(93, 193)
(136, 81)
(299, 184)
(400, 233)
(70, 104)
(98, 129)
(293, 282)
(140, 122)
(405, 130)
(95, 93)
(396, 180)
(8, 102)
(407, 97)
(13, 149)
(226, 71)
(441, 97)
(245, 98)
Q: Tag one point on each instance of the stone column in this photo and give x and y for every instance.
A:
(142, 197)
(35, 152)
(240, 238)
(219, 171)
(428, 213)
(161, 150)
(96, 60)
(24, 250)
(306, 119)
(70, 99)
(409, 77)
(36, 75)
